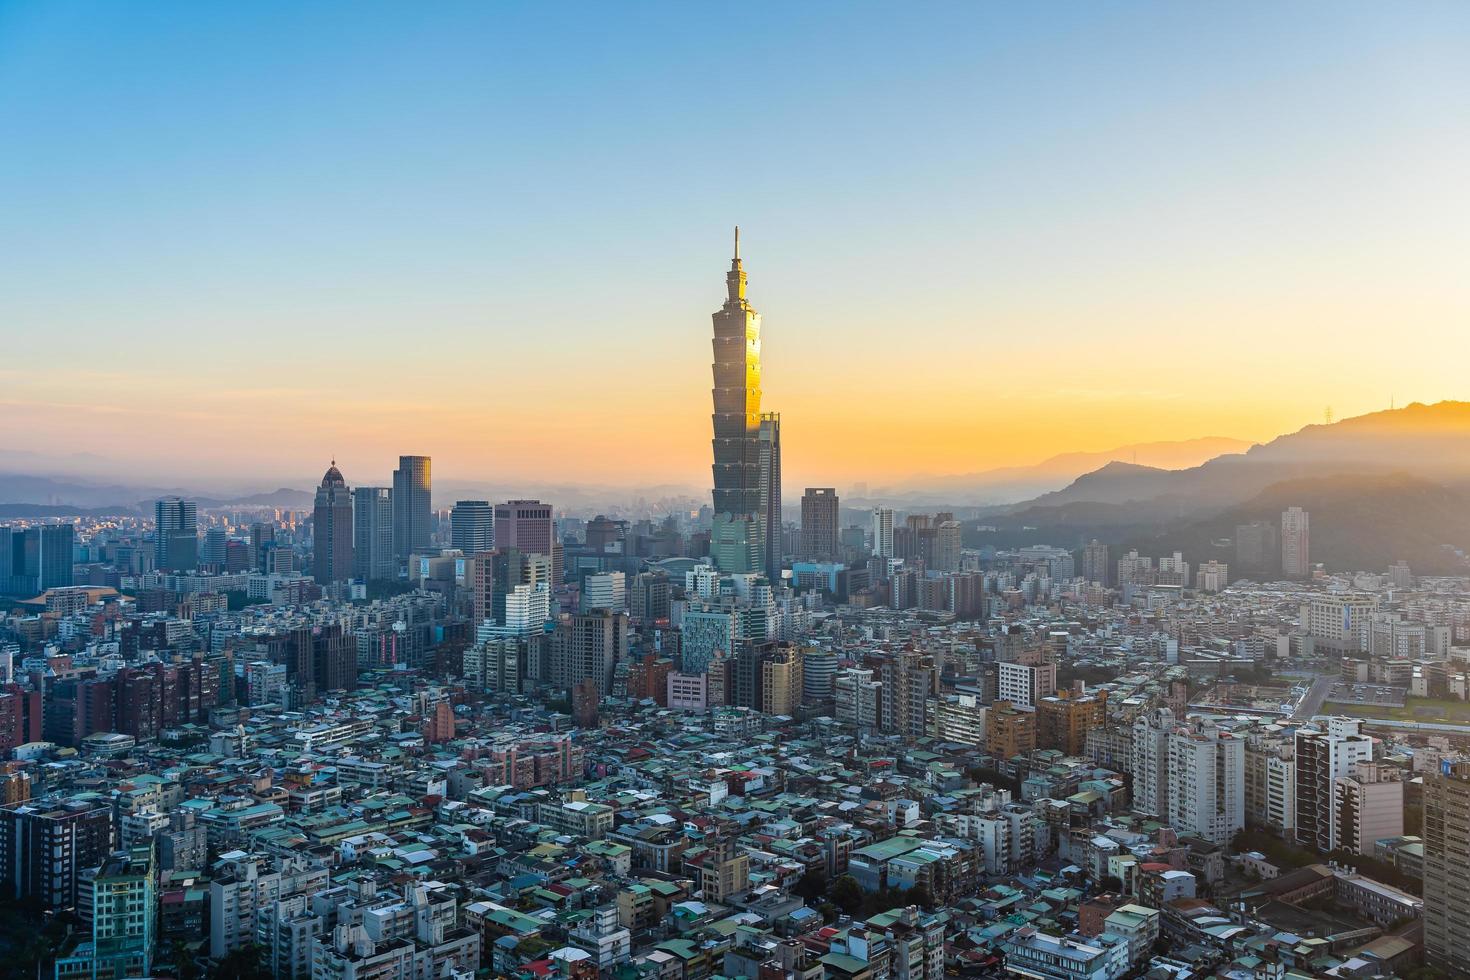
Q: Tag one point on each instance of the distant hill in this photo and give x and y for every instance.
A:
(1010, 483)
(1363, 521)
(1380, 486)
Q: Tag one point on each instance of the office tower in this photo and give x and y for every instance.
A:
(213, 554)
(1025, 684)
(910, 679)
(34, 559)
(331, 529)
(1095, 562)
(781, 681)
(819, 524)
(605, 590)
(1206, 783)
(735, 536)
(650, 597)
(1368, 806)
(944, 554)
(1339, 624)
(1257, 549)
(1150, 762)
(175, 535)
(770, 496)
(511, 584)
(818, 673)
(588, 647)
(1446, 910)
(46, 846)
(528, 526)
(605, 536)
(372, 534)
(412, 528)
(1296, 559)
(262, 540)
(1330, 748)
(883, 532)
(471, 526)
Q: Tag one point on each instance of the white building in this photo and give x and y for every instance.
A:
(1296, 559)
(882, 532)
(605, 590)
(1025, 684)
(1150, 752)
(1206, 783)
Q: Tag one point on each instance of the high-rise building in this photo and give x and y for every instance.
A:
(1296, 559)
(175, 535)
(1446, 910)
(471, 526)
(118, 900)
(1212, 576)
(1009, 731)
(735, 536)
(262, 540)
(34, 559)
(944, 554)
(883, 532)
(770, 495)
(1063, 722)
(1025, 684)
(528, 526)
(781, 681)
(910, 679)
(1206, 783)
(857, 698)
(1095, 562)
(213, 553)
(605, 590)
(819, 507)
(1368, 806)
(46, 846)
(412, 487)
(1150, 762)
(1330, 748)
(588, 647)
(372, 534)
(331, 529)
(1257, 549)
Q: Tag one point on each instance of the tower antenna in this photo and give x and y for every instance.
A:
(737, 243)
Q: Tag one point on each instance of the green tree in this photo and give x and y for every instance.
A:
(847, 894)
(245, 963)
(811, 886)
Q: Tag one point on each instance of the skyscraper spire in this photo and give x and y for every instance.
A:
(735, 278)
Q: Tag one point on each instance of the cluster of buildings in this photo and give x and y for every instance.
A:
(380, 741)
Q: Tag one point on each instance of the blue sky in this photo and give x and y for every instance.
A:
(987, 232)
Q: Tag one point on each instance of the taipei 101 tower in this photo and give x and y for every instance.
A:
(737, 537)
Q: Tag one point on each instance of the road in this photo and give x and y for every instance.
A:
(1312, 703)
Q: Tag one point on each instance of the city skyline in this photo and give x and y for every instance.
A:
(276, 292)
